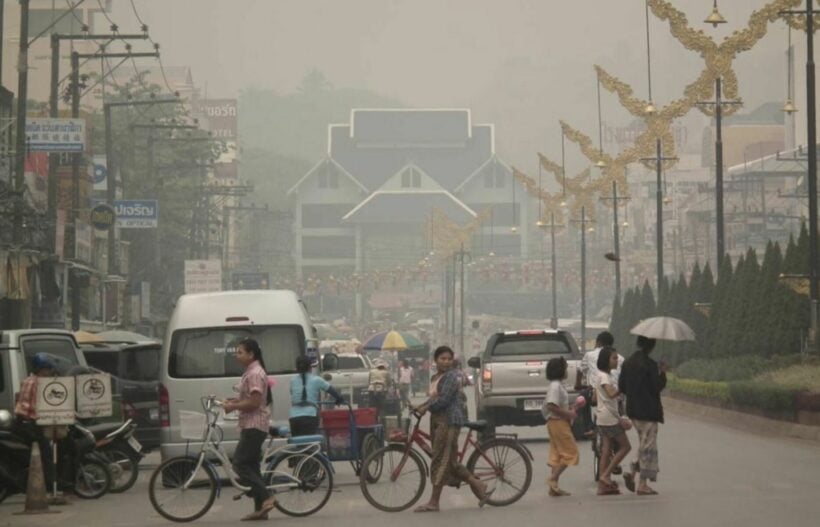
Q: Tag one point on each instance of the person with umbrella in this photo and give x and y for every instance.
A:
(642, 380)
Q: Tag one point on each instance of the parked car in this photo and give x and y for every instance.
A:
(18, 347)
(349, 373)
(135, 372)
(512, 380)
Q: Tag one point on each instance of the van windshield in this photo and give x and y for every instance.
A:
(209, 352)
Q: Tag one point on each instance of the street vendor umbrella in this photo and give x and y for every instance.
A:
(664, 328)
(86, 337)
(392, 341)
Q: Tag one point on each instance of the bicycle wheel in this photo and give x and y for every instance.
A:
(180, 492)
(124, 468)
(370, 444)
(92, 479)
(401, 481)
(311, 477)
(504, 465)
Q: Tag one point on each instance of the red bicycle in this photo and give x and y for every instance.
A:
(393, 478)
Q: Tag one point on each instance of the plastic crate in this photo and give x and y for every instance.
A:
(336, 427)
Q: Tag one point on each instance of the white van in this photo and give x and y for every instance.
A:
(198, 355)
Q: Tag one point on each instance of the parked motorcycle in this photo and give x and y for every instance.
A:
(118, 446)
(79, 467)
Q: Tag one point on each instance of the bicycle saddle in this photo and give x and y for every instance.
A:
(478, 426)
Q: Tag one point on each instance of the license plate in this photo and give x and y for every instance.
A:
(135, 444)
(153, 414)
(533, 404)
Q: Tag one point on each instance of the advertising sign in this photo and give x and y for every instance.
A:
(55, 135)
(55, 400)
(36, 177)
(249, 281)
(219, 116)
(203, 276)
(94, 395)
(137, 213)
(99, 172)
(102, 216)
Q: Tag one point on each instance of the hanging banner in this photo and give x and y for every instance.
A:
(55, 401)
(94, 395)
(55, 135)
(203, 276)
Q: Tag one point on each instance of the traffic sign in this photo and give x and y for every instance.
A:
(94, 395)
(55, 401)
(103, 216)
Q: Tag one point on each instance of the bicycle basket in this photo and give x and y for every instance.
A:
(192, 425)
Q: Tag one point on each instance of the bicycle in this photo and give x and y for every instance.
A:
(500, 458)
(302, 486)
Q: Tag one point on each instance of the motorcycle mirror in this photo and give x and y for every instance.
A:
(6, 419)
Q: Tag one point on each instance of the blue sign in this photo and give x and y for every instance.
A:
(250, 281)
(135, 213)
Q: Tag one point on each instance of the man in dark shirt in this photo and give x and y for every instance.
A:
(641, 381)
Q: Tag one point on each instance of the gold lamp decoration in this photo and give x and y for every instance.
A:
(718, 58)
(715, 18)
(448, 236)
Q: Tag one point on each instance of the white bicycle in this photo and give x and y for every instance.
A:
(184, 488)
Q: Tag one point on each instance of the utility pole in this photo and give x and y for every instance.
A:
(20, 131)
(53, 159)
(461, 254)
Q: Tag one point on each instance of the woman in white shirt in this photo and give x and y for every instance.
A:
(609, 422)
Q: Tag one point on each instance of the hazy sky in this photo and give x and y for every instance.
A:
(522, 64)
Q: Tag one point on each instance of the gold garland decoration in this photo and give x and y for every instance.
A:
(448, 235)
(719, 57)
(551, 202)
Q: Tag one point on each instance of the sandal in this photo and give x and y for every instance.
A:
(607, 490)
(487, 494)
(426, 508)
(646, 492)
(629, 481)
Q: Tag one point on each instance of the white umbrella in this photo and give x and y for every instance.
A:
(664, 328)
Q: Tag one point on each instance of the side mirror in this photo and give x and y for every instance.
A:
(474, 362)
(330, 362)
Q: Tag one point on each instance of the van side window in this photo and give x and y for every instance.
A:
(103, 360)
(209, 352)
(2, 373)
(141, 365)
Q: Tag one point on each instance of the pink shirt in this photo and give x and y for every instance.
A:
(254, 380)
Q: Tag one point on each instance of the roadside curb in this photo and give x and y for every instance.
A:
(742, 421)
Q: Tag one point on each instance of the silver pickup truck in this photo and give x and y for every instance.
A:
(511, 381)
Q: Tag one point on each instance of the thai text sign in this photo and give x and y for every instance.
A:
(203, 276)
(55, 135)
(137, 213)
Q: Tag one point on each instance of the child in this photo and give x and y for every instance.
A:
(559, 415)
(609, 423)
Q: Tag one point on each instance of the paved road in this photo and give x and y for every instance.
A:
(710, 475)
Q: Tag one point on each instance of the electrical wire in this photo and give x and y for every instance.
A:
(156, 47)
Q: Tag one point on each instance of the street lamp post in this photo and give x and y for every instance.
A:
(583, 222)
(659, 159)
(719, 215)
(811, 117)
(616, 235)
(553, 275)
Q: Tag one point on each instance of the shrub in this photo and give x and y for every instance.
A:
(737, 368)
(718, 391)
(763, 396)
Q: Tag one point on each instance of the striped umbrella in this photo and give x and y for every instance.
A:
(392, 341)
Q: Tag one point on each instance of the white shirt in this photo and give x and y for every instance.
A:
(606, 412)
(557, 395)
(589, 367)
